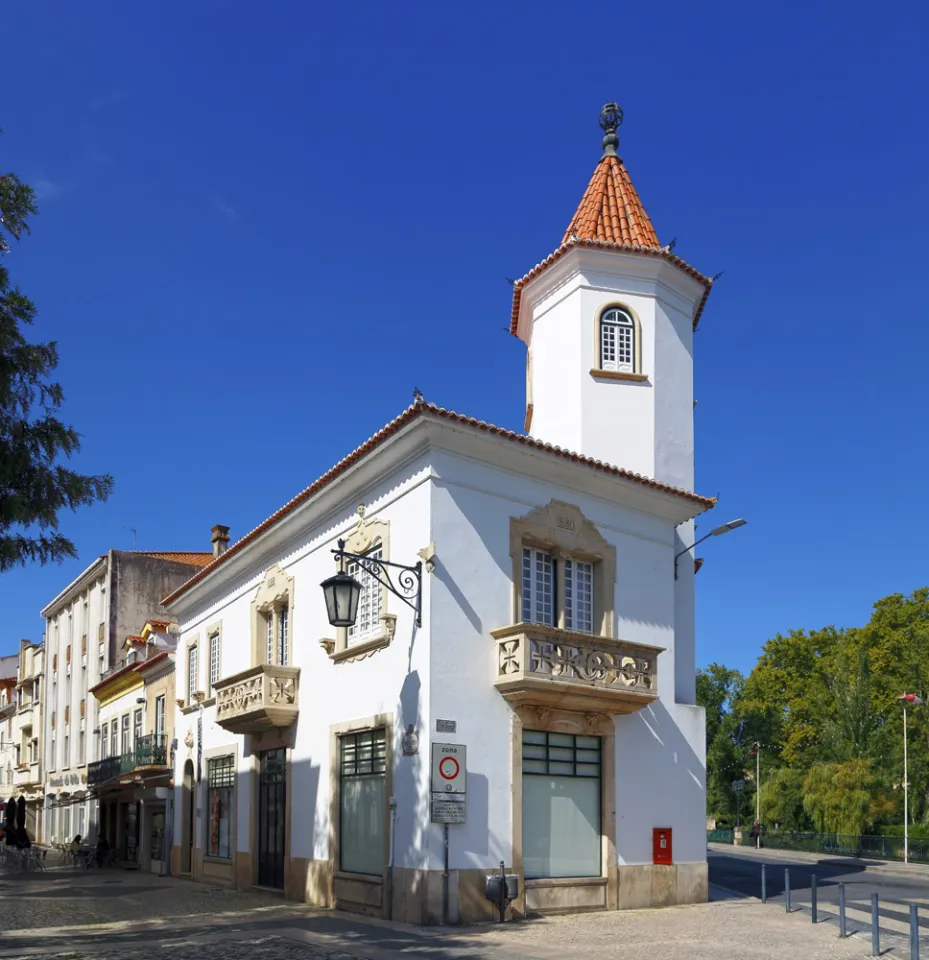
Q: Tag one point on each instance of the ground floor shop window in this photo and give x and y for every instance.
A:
(363, 801)
(220, 786)
(157, 835)
(561, 805)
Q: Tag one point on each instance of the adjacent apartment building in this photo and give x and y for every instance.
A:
(86, 626)
(516, 608)
(131, 780)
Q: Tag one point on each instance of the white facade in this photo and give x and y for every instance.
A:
(556, 643)
(454, 486)
(77, 654)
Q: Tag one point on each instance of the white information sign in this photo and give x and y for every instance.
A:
(445, 812)
(449, 768)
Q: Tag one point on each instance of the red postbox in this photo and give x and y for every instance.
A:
(661, 845)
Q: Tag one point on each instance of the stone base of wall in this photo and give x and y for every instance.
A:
(417, 895)
(651, 885)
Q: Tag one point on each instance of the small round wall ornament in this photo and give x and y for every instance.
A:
(410, 742)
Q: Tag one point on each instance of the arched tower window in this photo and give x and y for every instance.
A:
(617, 341)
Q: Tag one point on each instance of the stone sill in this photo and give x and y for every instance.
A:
(618, 375)
(361, 650)
(546, 882)
(210, 701)
(359, 877)
(222, 861)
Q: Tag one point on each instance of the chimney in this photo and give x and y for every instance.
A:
(220, 539)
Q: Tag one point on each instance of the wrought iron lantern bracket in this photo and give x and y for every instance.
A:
(405, 583)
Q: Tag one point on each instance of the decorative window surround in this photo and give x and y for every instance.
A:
(186, 701)
(274, 595)
(618, 344)
(367, 535)
(214, 645)
(562, 530)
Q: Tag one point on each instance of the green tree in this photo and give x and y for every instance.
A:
(782, 799)
(844, 797)
(34, 489)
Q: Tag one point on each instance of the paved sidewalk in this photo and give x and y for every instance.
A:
(114, 915)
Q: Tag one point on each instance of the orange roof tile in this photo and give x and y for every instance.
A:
(611, 210)
(423, 409)
(195, 558)
(610, 216)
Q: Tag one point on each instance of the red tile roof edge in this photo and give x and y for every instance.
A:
(661, 252)
(142, 667)
(128, 668)
(421, 408)
(199, 558)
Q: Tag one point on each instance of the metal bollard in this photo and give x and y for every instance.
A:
(842, 930)
(813, 898)
(875, 927)
(787, 889)
(914, 932)
(764, 883)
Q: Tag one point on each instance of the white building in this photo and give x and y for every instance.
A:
(85, 628)
(556, 644)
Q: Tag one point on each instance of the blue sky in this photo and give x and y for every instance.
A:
(238, 200)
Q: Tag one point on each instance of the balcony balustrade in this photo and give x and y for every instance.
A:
(543, 666)
(258, 698)
(151, 751)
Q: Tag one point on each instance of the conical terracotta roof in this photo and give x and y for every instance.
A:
(611, 210)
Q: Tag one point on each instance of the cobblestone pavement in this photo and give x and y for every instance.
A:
(118, 915)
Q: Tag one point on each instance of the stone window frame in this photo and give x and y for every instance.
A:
(336, 732)
(274, 593)
(240, 769)
(636, 376)
(367, 535)
(214, 629)
(585, 724)
(189, 695)
(562, 529)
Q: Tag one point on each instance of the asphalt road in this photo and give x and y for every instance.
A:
(740, 873)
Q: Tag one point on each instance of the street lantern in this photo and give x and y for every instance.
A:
(342, 592)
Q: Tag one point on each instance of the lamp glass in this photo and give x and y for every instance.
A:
(342, 593)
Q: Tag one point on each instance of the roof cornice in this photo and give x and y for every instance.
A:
(663, 253)
(76, 586)
(399, 427)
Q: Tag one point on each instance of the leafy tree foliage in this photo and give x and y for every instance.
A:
(823, 705)
(34, 488)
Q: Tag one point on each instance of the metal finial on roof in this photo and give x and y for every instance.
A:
(611, 116)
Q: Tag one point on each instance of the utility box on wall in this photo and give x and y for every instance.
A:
(661, 845)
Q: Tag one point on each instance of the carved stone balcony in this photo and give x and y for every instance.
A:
(543, 666)
(258, 698)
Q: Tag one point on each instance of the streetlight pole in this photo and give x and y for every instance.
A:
(913, 700)
(715, 532)
(758, 792)
(906, 796)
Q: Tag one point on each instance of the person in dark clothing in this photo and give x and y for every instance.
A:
(103, 850)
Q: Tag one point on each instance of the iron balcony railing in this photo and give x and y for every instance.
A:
(150, 751)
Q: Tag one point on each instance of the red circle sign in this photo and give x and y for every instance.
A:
(448, 768)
